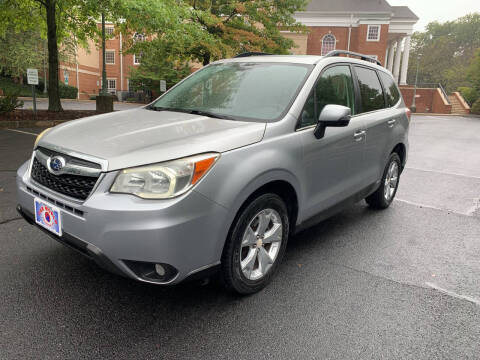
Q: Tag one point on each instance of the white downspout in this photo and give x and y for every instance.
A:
(121, 64)
(350, 32)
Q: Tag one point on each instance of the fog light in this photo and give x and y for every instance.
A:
(160, 270)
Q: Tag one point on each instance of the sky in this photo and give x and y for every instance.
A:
(438, 10)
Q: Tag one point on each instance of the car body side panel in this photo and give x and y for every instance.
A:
(239, 173)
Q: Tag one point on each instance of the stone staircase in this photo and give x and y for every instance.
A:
(457, 106)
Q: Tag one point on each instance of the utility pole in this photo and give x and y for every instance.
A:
(104, 101)
(104, 71)
(44, 68)
(413, 108)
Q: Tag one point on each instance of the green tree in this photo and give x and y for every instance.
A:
(473, 71)
(21, 51)
(444, 51)
(246, 25)
(59, 21)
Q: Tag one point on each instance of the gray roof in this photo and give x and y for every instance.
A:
(372, 6)
(403, 12)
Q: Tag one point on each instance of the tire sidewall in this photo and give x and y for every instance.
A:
(393, 158)
(239, 282)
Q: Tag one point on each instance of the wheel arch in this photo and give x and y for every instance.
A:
(401, 150)
(281, 187)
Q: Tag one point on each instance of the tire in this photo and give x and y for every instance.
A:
(379, 199)
(244, 267)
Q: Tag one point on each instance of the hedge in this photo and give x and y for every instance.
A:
(476, 107)
(67, 91)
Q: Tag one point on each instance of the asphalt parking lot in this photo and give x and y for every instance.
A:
(402, 283)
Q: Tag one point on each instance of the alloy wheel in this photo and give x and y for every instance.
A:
(261, 243)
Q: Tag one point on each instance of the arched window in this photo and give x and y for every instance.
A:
(328, 44)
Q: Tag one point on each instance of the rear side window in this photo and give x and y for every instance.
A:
(334, 87)
(391, 91)
(370, 89)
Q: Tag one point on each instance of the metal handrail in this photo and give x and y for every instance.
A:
(444, 93)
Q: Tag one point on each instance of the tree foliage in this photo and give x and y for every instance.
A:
(206, 30)
(58, 21)
(444, 52)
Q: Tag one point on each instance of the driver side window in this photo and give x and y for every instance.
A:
(334, 87)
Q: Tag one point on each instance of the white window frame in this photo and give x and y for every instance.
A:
(106, 61)
(136, 60)
(322, 53)
(110, 89)
(379, 27)
(109, 30)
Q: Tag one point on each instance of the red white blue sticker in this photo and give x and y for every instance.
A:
(48, 216)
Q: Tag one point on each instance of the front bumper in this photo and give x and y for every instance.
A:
(125, 234)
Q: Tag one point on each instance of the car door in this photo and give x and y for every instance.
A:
(333, 164)
(376, 119)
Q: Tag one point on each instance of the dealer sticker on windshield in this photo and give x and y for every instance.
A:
(48, 216)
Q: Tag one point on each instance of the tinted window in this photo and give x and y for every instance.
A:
(391, 90)
(370, 89)
(334, 87)
(243, 91)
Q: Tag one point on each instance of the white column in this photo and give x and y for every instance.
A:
(391, 52)
(396, 62)
(406, 54)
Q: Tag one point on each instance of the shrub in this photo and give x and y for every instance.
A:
(469, 94)
(9, 101)
(93, 97)
(67, 91)
(476, 107)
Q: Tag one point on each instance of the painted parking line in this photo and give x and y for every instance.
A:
(453, 294)
(23, 132)
(443, 172)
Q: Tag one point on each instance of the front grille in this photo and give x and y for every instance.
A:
(76, 186)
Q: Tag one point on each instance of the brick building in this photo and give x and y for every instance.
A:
(86, 73)
(371, 27)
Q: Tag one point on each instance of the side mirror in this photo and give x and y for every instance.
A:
(334, 116)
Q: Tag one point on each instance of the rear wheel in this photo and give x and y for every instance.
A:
(383, 197)
(256, 245)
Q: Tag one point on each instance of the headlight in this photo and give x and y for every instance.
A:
(164, 180)
(39, 136)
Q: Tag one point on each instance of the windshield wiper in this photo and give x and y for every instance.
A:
(192, 111)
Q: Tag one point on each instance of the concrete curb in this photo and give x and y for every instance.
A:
(16, 124)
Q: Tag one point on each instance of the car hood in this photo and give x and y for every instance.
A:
(141, 136)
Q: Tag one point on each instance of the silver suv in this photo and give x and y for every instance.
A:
(216, 174)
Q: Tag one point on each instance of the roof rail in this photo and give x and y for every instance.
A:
(252, 53)
(351, 53)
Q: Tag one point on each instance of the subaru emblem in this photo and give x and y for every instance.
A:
(56, 163)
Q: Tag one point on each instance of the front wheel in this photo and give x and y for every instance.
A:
(256, 245)
(384, 195)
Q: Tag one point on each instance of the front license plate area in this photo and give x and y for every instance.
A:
(48, 216)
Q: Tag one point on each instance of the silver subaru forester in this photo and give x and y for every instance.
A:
(217, 173)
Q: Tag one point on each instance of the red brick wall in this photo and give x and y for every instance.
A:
(314, 42)
(427, 100)
(358, 40)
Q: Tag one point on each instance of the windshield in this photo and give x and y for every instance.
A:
(238, 91)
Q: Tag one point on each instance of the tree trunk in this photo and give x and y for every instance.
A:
(206, 59)
(54, 103)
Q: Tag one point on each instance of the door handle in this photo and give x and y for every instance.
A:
(358, 135)
(392, 122)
